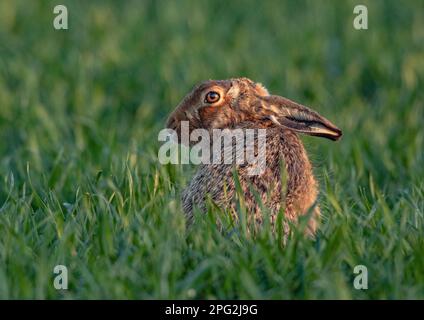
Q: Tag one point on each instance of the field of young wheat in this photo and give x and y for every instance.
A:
(81, 185)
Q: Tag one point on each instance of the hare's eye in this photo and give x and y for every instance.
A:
(212, 97)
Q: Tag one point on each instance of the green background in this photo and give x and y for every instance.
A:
(81, 185)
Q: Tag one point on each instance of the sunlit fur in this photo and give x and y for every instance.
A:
(248, 105)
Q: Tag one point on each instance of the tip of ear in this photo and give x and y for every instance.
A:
(337, 136)
(333, 135)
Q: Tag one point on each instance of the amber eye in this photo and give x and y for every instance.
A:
(212, 97)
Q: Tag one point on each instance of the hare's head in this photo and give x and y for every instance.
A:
(219, 104)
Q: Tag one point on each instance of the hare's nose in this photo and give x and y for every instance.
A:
(171, 123)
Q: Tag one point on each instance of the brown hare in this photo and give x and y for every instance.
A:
(243, 104)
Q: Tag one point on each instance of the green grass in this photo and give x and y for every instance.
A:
(81, 185)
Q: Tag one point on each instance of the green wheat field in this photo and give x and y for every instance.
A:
(81, 185)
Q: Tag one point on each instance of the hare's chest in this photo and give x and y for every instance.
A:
(226, 184)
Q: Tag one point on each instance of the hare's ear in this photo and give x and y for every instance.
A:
(289, 114)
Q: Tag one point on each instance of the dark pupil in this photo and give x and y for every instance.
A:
(213, 96)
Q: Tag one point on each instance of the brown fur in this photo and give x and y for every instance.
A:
(247, 105)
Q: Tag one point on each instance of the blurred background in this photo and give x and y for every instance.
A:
(80, 110)
(111, 79)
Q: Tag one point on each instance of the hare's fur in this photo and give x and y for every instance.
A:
(283, 150)
(247, 105)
